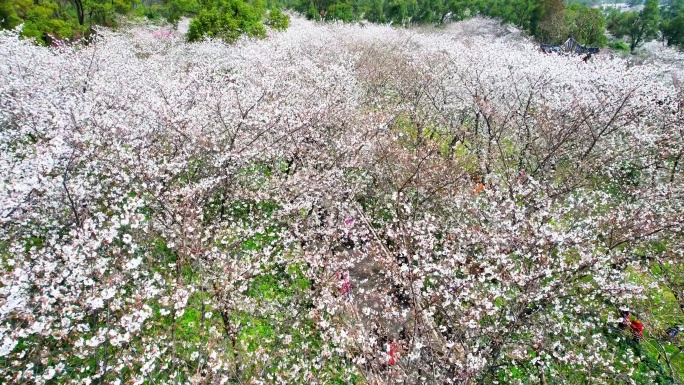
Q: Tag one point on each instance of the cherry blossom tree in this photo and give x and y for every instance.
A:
(333, 204)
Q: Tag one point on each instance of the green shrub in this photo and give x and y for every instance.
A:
(340, 11)
(277, 20)
(619, 46)
(227, 20)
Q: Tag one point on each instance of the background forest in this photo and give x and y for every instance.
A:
(550, 21)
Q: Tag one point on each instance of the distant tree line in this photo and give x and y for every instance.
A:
(672, 23)
(47, 20)
(550, 21)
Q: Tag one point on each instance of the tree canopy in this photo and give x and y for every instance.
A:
(227, 19)
(49, 20)
(640, 26)
(550, 21)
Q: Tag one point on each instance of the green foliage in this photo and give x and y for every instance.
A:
(619, 46)
(637, 27)
(312, 13)
(8, 15)
(340, 11)
(552, 27)
(375, 12)
(99, 12)
(613, 16)
(41, 19)
(227, 20)
(548, 20)
(173, 10)
(673, 30)
(672, 25)
(46, 20)
(585, 3)
(586, 24)
(277, 20)
(525, 14)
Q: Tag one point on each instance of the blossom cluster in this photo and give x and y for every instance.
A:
(391, 206)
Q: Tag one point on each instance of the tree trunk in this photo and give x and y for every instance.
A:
(78, 4)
